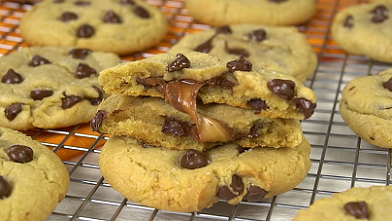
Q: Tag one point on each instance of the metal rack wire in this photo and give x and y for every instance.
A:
(340, 159)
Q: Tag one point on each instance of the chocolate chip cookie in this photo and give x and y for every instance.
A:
(32, 178)
(365, 30)
(182, 79)
(372, 203)
(51, 87)
(190, 180)
(266, 12)
(277, 48)
(366, 106)
(118, 26)
(157, 123)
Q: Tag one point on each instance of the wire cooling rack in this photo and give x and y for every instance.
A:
(340, 159)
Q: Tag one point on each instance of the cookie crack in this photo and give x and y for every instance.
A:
(362, 113)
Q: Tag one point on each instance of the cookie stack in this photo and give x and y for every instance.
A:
(189, 126)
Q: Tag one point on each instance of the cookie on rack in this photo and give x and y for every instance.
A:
(358, 203)
(364, 29)
(228, 172)
(51, 87)
(182, 79)
(118, 26)
(282, 49)
(266, 12)
(366, 108)
(157, 123)
(33, 180)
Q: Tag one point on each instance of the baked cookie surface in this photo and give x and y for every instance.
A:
(227, 172)
(181, 79)
(32, 178)
(366, 108)
(282, 49)
(118, 26)
(267, 12)
(359, 203)
(51, 87)
(364, 29)
(157, 123)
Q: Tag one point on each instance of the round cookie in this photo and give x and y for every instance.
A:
(282, 49)
(372, 203)
(51, 87)
(32, 178)
(187, 181)
(366, 108)
(266, 12)
(365, 30)
(118, 26)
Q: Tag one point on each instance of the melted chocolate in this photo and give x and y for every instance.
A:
(224, 193)
(282, 88)
(98, 100)
(179, 63)
(39, 94)
(70, 101)
(237, 185)
(236, 51)
(388, 85)
(258, 105)
(20, 153)
(141, 12)
(79, 53)
(85, 31)
(357, 209)
(258, 35)
(255, 194)
(193, 159)
(12, 77)
(38, 60)
(96, 122)
(13, 110)
(241, 64)
(206, 46)
(111, 17)
(5, 188)
(221, 81)
(84, 71)
(305, 106)
(68, 16)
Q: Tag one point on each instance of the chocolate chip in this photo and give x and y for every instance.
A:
(38, 60)
(357, 209)
(380, 14)
(68, 16)
(98, 100)
(349, 21)
(282, 88)
(82, 3)
(255, 194)
(193, 159)
(13, 110)
(237, 51)
(96, 122)
(112, 17)
(239, 65)
(305, 106)
(84, 71)
(221, 81)
(224, 193)
(223, 30)
(124, 2)
(39, 94)
(258, 35)
(236, 184)
(255, 130)
(85, 31)
(12, 77)
(70, 101)
(242, 149)
(175, 127)
(258, 105)
(205, 47)
(141, 12)
(79, 53)
(388, 85)
(179, 63)
(20, 153)
(5, 188)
